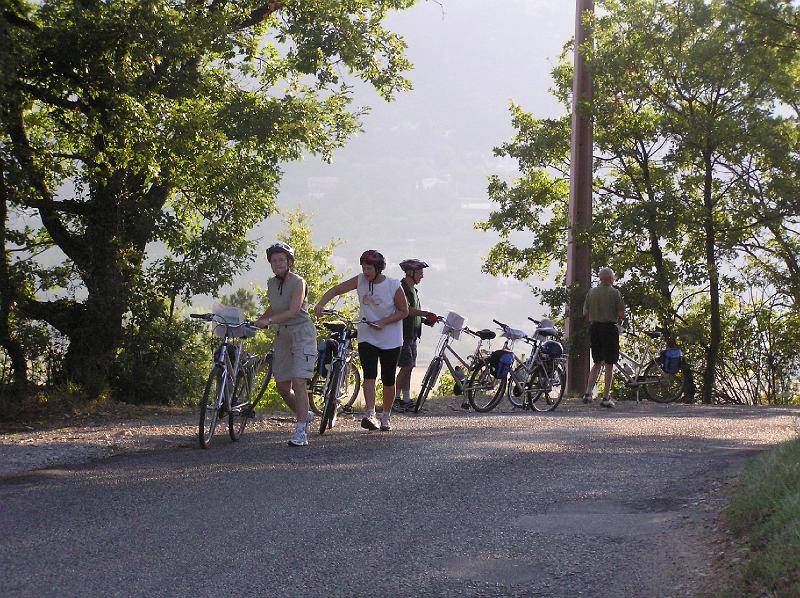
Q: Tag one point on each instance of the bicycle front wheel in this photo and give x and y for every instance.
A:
(431, 374)
(484, 391)
(331, 400)
(210, 406)
(546, 384)
(661, 387)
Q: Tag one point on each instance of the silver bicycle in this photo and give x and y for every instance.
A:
(539, 382)
(646, 370)
(234, 374)
(465, 369)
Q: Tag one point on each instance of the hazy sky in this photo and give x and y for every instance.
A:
(415, 181)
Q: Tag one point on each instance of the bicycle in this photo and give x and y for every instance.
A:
(647, 371)
(461, 372)
(490, 382)
(232, 379)
(539, 383)
(336, 383)
(319, 379)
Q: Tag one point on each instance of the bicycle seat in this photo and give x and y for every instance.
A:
(334, 326)
(547, 331)
(653, 334)
(485, 334)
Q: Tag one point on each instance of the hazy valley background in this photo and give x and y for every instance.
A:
(414, 182)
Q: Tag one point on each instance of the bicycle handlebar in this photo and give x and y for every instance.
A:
(341, 316)
(220, 320)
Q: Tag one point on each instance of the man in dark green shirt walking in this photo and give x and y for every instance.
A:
(412, 330)
(605, 309)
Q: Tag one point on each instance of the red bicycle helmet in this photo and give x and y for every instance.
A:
(373, 258)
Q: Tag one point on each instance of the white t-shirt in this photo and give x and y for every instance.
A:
(376, 305)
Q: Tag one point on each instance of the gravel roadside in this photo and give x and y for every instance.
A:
(28, 448)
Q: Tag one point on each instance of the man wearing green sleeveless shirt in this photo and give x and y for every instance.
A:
(412, 331)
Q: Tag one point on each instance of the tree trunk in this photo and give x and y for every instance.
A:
(7, 297)
(712, 350)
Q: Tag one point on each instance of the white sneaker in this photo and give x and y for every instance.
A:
(386, 424)
(299, 438)
(309, 419)
(608, 403)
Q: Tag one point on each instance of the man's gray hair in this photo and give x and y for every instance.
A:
(605, 273)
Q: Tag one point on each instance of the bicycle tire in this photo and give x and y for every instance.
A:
(351, 377)
(484, 391)
(209, 411)
(331, 398)
(661, 387)
(238, 415)
(546, 391)
(262, 389)
(431, 374)
(316, 387)
(518, 392)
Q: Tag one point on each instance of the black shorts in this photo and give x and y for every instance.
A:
(408, 354)
(604, 339)
(369, 356)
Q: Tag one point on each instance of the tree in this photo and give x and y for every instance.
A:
(143, 139)
(686, 93)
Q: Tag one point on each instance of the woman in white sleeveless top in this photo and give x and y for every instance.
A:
(384, 306)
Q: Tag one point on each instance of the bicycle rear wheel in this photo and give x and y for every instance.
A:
(351, 386)
(331, 400)
(210, 406)
(661, 387)
(484, 391)
(518, 390)
(546, 384)
(431, 374)
(240, 403)
(316, 388)
(262, 378)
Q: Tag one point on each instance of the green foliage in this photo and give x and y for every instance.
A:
(127, 126)
(765, 511)
(445, 385)
(161, 361)
(696, 138)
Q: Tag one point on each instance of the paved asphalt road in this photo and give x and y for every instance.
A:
(581, 502)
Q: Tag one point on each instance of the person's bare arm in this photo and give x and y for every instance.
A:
(339, 289)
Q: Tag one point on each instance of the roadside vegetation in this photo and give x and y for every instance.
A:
(765, 513)
(696, 186)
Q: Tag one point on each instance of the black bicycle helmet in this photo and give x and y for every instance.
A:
(373, 258)
(412, 265)
(281, 247)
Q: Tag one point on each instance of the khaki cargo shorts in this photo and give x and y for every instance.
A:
(295, 352)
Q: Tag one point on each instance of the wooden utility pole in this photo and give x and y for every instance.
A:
(579, 250)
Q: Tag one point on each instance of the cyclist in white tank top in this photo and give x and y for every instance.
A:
(384, 306)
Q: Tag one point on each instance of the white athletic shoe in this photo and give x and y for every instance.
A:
(299, 438)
